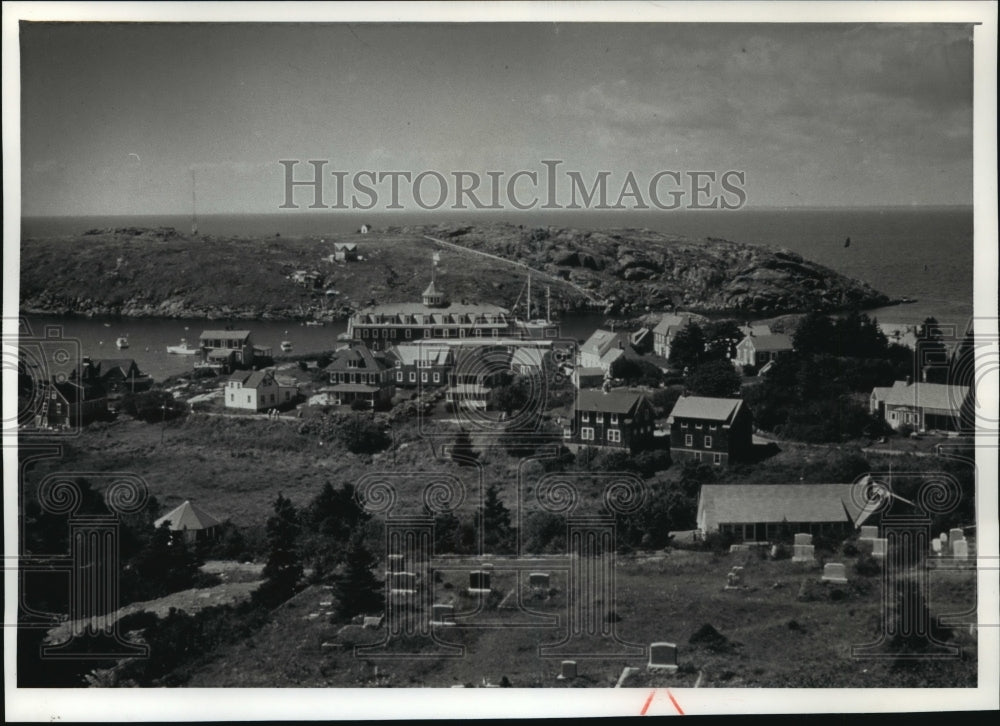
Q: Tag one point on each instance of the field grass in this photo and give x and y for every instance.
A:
(770, 637)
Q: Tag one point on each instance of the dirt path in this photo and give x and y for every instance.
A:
(582, 291)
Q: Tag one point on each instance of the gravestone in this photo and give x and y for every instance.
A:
(960, 549)
(834, 572)
(880, 546)
(662, 657)
(567, 671)
(403, 582)
(803, 553)
(869, 532)
(944, 538)
(739, 548)
(442, 614)
(803, 538)
(539, 579)
(936, 547)
(486, 566)
(956, 534)
(774, 551)
(479, 581)
(394, 563)
(734, 580)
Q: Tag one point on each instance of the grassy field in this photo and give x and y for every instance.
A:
(770, 637)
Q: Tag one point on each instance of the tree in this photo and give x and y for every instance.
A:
(357, 590)
(931, 358)
(721, 338)
(511, 396)
(494, 523)
(715, 378)
(688, 347)
(813, 335)
(462, 452)
(153, 406)
(363, 435)
(283, 569)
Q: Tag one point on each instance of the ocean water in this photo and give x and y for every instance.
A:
(922, 253)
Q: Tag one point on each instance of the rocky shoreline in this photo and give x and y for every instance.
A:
(623, 274)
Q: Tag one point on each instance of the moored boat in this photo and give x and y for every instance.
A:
(122, 342)
(182, 349)
(286, 346)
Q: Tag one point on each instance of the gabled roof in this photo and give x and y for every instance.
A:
(74, 391)
(527, 356)
(410, 353)
(360, 354)
(777, 341)
(614, 401)
(752, 503)
(703, 407)
(670, 323)
(755, 329)
(431, 290)
(226, 334)
(346, 246)
(188, 516)
(599, 342)
(924, 395)
(251, 379)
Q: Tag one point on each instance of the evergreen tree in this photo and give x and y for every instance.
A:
(814, 334)
(357, 590)
(715, 378)
(494, 523)
(284, 566)
(688, 347)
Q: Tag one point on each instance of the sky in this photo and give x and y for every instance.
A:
(119, 118)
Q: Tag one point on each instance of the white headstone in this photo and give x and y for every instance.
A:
(936, 546)
(944, 538)
(834, 572)
(567, 670)
(880, 545)
(960, 549)
(662, 657)
(538, 579)
(869, 532)
(956, 534)
(803, 538)
(803, 553)
(403, 582)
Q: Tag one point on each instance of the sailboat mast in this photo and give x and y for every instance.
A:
(527, 316)
(548, 304)
(194, 206)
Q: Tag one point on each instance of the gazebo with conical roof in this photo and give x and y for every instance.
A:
(190, 519)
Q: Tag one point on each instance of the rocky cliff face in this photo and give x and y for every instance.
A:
(632, 269)
(624, 272)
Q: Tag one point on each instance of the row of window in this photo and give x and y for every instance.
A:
(423, 332)
(905, 417)
(598, 417)
(587, 434)
(716, 458)
(371, 378)
(711, 427)
(689, 441)
(413, 377)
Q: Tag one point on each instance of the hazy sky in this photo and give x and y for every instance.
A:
(114, 117)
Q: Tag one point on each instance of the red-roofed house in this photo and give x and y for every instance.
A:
(617, 419)
(713, 430)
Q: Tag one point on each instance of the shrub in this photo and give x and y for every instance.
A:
(867, 566)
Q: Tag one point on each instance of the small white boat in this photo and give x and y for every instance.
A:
(122, 342)
(286, 346)
(317, 323)
(182, 349)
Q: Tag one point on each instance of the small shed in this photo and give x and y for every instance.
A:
(192, 520)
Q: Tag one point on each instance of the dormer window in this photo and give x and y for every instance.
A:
(585, 416)
(614, 418)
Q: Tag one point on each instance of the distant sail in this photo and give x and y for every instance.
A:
(847, 242)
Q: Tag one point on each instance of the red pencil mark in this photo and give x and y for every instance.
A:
(645, 706)
(674, 701)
